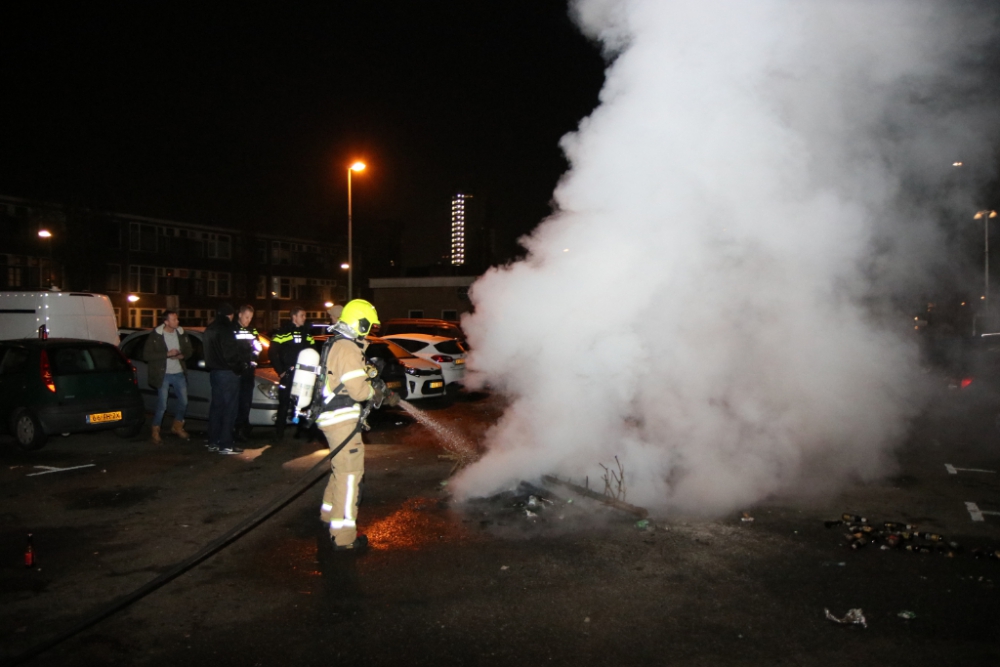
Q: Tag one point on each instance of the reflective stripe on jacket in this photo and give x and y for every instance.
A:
(286, 345)
(345, 370)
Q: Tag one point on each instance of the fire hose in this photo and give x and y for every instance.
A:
(313, 475)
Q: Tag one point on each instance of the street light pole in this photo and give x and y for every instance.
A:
(986, 215)
(357, 166)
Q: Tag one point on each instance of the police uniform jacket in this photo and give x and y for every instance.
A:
(246, 340)
(286, 345)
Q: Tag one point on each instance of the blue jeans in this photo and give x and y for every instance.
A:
(179, 383)
(222, 409)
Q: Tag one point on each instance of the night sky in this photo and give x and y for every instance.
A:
(247, 115)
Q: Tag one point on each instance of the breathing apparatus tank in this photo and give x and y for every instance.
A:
(307, 369)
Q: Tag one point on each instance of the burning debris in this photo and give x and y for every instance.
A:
(526, 501)
(536, 505)
(607, 499)
(614, 481)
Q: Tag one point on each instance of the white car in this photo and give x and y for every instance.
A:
(448, 353)
(263, 405)
(423, 378)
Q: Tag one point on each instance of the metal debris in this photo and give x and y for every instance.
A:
(852, 617)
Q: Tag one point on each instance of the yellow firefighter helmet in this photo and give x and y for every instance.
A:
(359, 316)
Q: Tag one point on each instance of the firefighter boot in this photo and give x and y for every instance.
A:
(358, 546)
(178, 429)
(155, 436)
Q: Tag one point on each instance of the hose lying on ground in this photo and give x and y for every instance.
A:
(313, 475)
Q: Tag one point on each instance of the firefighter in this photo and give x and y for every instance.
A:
(284, 351)
(250, 347)
(347, 385)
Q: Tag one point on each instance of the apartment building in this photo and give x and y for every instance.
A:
(148, 265)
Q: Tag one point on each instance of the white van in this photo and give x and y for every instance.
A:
(65, 314)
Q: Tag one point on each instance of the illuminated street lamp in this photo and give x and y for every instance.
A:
(357, 166)
(985, 217)
(132, 298)
(47, 236)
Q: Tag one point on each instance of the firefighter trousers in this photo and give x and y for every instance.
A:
(340, 499)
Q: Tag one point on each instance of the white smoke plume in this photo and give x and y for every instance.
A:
(708, 301)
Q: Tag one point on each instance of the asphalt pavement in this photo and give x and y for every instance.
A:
(493, 582)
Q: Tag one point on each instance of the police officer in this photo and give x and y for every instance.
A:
(347, 385)
(284, 351)
(250, 347)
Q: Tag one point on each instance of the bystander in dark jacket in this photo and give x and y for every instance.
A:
(225, 365)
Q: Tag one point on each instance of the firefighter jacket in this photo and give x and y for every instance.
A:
(346, 384)
(250, 347)
(155, 354)
(286, 345)
(221, 351)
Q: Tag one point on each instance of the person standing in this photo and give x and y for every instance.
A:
(347, 385)
(250, 347)
(284, 352)
(225, 366)
(166, 348)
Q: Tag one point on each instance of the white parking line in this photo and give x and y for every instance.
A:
(50, 469)
(952, 470)
(976, 513)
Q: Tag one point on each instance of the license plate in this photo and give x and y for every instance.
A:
(102, 417)
(436, 385)
(393, 385)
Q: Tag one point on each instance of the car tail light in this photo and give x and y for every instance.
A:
(46, 371)
(441, 358)
(966, 382)
(135, 373)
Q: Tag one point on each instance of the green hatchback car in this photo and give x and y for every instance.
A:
(66, 385)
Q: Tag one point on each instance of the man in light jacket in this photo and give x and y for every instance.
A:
(166, 348)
